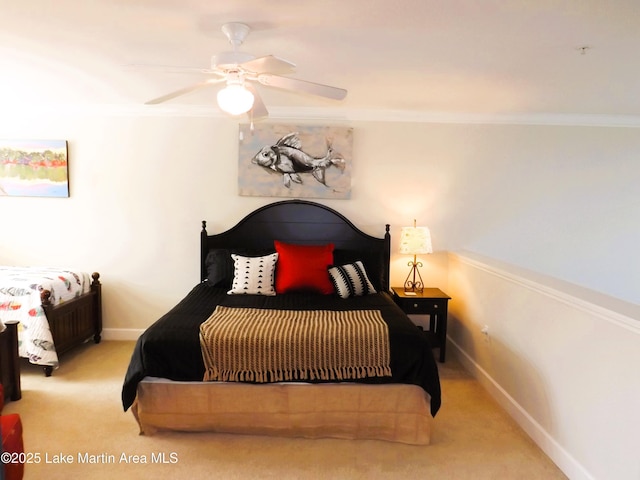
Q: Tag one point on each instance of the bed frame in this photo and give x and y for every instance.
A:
(301, 222)
(10, 362)
(393, 412)
(74, 322)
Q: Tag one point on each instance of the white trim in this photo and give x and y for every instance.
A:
(121, 334)
(569, 465)
(339, 114)
(493, 119)
(569, 298)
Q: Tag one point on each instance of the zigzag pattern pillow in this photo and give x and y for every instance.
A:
(351, 280)
(253, 275)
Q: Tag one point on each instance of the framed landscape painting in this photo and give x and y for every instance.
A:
(34, 168)
(295, 161)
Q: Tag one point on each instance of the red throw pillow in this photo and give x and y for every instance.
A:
(12, 445)
(303, 267)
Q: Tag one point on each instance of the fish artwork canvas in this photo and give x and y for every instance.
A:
(295, 161)
(34, 168)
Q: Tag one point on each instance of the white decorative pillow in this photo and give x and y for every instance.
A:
(253, 275)
(351, 280)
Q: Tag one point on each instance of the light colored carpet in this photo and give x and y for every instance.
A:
(76, 414)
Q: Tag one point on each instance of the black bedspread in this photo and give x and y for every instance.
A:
(170, 348)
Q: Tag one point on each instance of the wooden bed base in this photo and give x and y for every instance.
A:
(74, 322)
(10, 362)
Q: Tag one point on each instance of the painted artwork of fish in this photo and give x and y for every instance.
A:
(295, 161)
(287, 158)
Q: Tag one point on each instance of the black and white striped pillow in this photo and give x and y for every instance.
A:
(351, 280)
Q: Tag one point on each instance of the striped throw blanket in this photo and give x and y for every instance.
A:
(261, 345)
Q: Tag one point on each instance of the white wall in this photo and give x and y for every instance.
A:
(554, 199)
(560, 363)
(140, 187)
(557, 200)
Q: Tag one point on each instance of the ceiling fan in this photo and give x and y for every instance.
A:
(239, 71)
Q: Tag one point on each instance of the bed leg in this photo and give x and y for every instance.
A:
(96, 338)
(48, 370)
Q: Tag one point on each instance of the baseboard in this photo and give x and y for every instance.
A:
(121, 334)
(562, 458)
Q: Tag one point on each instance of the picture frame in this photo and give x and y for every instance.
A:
(34, 168)
(295, 161)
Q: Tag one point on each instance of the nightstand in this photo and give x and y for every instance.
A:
(433, 302)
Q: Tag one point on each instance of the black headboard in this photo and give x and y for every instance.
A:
(307, 223)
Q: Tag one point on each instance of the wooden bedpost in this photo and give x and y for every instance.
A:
(45, 298)
(203, 250)
(10, 361)
(387, 253)
(96, 288)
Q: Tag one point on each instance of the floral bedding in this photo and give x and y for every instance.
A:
(20, 301)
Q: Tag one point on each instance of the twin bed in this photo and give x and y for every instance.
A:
(46, 312)
(291, 331)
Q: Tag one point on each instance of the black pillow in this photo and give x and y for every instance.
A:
(219, 266)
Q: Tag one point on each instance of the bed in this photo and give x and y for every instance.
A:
(57, 309)
(191, 371)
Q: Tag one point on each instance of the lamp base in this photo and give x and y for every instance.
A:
(413, 282)
(413, 289)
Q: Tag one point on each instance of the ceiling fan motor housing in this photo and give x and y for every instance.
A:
(226, 60)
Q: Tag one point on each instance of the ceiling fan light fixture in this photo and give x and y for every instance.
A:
(235, 99)
(237, 68)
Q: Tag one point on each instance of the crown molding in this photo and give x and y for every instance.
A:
(338, 114)
(406, 116)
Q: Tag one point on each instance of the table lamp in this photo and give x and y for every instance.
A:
(415, 241)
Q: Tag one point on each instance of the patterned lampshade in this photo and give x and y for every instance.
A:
(415, 240)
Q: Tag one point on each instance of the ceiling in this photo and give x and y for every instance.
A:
(419, 57)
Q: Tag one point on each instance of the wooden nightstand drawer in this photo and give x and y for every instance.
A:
(411, 306)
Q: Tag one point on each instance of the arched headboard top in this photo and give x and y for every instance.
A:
(306, 223)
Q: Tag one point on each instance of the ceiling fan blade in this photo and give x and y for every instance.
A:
(168, 68)
(259, 109)
(182, 91)
(302, 86)
(269, 64)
